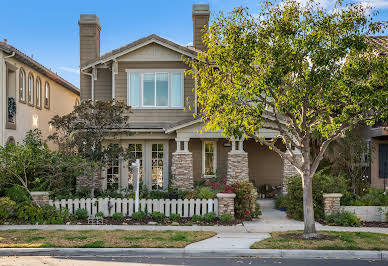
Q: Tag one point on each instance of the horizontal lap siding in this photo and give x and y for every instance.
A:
(103, 85)
(158, 115)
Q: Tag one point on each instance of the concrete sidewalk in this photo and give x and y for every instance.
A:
(229, 241)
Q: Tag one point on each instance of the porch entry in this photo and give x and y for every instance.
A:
(153, 156)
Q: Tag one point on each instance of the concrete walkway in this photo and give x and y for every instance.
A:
(229, 241)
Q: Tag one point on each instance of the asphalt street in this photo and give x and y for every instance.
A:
(162, 261)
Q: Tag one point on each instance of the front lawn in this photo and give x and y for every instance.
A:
(329, 241)
(99, 238)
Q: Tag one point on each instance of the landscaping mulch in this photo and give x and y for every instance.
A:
(327, 241)
(375, 224)
(99, 238)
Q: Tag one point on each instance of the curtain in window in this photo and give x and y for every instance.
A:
(161, 89)
(149, 89)
(176, 90)
(134, 94)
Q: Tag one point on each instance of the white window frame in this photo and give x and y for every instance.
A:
(214, 160)
(22, 86)
(141, 73)
(38, 93)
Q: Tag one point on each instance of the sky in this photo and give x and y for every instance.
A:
(48, 29)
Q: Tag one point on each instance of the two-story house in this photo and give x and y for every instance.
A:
(148, 75)
(30, 95)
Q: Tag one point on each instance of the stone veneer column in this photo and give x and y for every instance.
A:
(182, 166)
(86, 181)
(226, 203)
(332, 203)
(289, 171)
(237, 169)
(40, 197)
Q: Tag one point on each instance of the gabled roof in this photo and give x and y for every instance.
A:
(9, 49)
(380, 43)
(186, 50)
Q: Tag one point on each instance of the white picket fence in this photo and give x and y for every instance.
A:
(186, 207)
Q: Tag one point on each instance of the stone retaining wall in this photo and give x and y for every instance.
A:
(40, 197)
(226, 203)
(368, 213)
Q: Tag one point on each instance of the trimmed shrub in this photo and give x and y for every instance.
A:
(118, 216)
(158, 216)
(196, 218)
(322, 183)
(81, 214)
(7, 207)
(343, 219)
(30, 213)
(225, 218)
(175, 216)
(17, 194)
(139, 215)
(280, 201)
(99, 214)
(209, 217)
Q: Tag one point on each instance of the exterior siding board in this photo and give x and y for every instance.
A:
(103, 85)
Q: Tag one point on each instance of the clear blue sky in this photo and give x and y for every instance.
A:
(49, 29)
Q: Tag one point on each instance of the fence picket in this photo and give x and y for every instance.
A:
(173, 206)
(76, 205)
(82, 204)
(203, 206)
(191, 207)
(210, 205)
(185, 208)
(167, 206)
(124, 207)
(142, 205)
(198, 207)
(216, 206)
(56, 204)
(70, 205)
(130, 207)
(88, 207)
(149, 206)
(161, 206)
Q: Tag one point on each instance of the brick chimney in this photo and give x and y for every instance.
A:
(89, 36)
(201, 13)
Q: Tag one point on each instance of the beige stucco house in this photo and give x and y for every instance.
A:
(148, 75)
(30, 95)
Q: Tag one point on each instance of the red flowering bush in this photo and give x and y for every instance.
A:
(245, 201)
(227, 189)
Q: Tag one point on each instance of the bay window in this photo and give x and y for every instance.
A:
(155, 89)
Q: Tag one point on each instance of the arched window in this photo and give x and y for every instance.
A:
(22, 85)
(47, 95)
(31, 89)
(38, 93)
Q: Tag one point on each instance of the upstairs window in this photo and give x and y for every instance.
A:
(31, 89)
(38, 93)
(155, 89)
(22, 85)
(47, 96)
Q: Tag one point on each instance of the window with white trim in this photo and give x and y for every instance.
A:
(47, 96)
(209, 158)
(155, 89)
(31, 89)
(22, 85)
(38, 93)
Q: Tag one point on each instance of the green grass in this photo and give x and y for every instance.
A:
(329, 241)
(99, 238)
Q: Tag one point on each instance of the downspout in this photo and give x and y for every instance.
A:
(92, 85)
(114, 72)
(3, 94)
(195, 91)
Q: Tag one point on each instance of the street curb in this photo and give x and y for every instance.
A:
(196, 253)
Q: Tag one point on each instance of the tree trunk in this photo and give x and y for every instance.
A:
(308, 207)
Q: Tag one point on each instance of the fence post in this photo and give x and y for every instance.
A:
(332, 203)
(136, 173)
(226, 203)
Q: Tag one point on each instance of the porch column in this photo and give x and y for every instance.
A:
(289, 170)
(237, 170)
(182, 166)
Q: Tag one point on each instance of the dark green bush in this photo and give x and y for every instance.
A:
(206, 193)
(175, 216)
(245, 201)
(17, 194)
(7, 208)
(81, 214)
(343, 219)
(196, 218)
(99, 214)
(374, 197)
(28, 212)
(280, 201)
(226, 218)
(117, 216)
(158, 216)
(139, 215)
(209, 217)
(322, 183)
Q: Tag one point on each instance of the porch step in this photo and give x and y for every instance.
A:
(266, 203)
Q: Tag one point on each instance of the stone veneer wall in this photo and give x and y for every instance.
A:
(226, 203)
(86, 181)
(288, 171)
(182, 170)
(331, 203)
(40, 197)
(237, 167)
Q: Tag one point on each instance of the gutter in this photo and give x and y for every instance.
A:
(5, 100)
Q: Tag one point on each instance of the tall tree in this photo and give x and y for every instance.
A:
(300, 70)
(84, 130)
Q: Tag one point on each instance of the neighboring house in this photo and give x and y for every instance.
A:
(148, 74)
(30, 95)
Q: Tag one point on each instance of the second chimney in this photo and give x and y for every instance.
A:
(201, 13)
(89, 35)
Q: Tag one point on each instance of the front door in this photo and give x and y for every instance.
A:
(153, 157)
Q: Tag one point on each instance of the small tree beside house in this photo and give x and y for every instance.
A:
(300, 70)
(84, 130)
